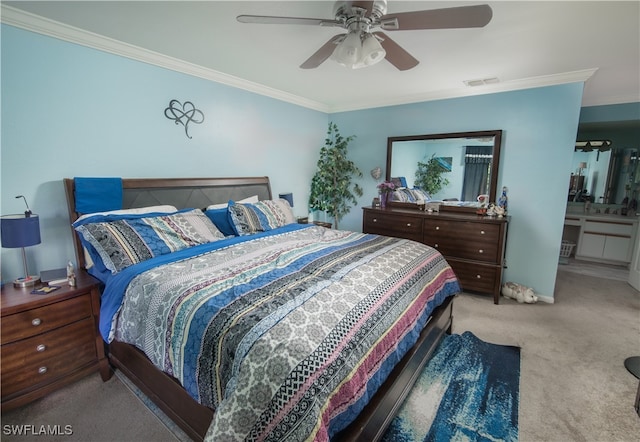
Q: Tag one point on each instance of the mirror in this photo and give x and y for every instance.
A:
(604, 176)
(468, 164)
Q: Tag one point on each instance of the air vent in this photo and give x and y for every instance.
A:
(481, 81)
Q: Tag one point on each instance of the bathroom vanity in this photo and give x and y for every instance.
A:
(602, 237)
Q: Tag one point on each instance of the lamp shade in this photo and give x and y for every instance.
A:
(348, 52)
(372, 51)
(19, 230)
(288, 197)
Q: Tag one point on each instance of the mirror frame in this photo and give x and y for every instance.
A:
(495, 162)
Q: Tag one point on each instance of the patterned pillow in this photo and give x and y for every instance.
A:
(122, 242)
(261, 216)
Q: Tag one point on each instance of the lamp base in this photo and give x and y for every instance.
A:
(27, 281)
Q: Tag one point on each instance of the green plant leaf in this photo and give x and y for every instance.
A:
(332, 190)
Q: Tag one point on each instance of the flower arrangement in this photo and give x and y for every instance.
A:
(386, 187)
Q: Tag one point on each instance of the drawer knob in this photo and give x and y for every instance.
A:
(437, 227)
(481, 232)
(375, 220)
(36, 322)
(480, 251)
(478, 276)
(42, 370)
(40, 348)
(435, 245)
(408, 224)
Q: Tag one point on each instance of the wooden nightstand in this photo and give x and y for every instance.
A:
(49, 340)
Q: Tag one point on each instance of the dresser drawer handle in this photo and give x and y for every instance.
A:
(478, 277)
(437, 227)
(36, 322)
(40, 348)
(435, 245)
(408, 224)
(480, 251)
(375, 220)
(481, 232)
(42, 370)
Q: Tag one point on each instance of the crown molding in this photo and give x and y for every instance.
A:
(506, 86)
(35, 23)
(51, 28)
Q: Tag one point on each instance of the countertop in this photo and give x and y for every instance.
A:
(600, 217)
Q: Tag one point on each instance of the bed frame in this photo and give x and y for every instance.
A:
(168, 394)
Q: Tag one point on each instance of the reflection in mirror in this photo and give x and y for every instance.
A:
(605, 176)
(465, 164)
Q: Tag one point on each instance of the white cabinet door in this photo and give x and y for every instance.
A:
(592, 245)
(634, 272)
(617, 248)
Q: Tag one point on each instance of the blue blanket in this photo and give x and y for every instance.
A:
(98, 194)
(286, 335)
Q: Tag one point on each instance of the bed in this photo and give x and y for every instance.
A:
(290, 331)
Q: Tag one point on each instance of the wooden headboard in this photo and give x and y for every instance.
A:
(182, 193)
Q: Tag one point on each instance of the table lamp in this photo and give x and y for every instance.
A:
(20, 231)
(581, 166)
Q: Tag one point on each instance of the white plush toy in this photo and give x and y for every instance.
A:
(519, 292)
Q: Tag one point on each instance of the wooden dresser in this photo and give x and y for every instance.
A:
(473, 245)
(49, 340)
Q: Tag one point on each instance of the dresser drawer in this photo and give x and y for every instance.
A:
(39, 320)
(45, 357)
(466, 240)
(399, 226)
(476, 277)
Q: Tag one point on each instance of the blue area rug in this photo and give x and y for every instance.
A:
(468, 391)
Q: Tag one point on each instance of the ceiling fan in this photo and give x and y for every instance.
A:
(360, 47)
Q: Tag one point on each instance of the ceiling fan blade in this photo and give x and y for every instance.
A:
(367, 5)
(448, 18)
(323, 53)
(396, 55)
(271, 20)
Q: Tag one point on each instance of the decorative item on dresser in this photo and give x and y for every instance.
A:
(473, 245)
(49, 340)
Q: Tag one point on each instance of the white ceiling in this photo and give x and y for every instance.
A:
(526, 44)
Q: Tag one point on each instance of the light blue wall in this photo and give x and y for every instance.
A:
(539, 131)
(68, 110)
(610, 113)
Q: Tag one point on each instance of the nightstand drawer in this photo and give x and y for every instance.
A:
(42, 358)
(39, 320)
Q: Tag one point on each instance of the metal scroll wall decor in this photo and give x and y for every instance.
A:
(184, 114)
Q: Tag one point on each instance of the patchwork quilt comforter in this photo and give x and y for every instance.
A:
(285, 334)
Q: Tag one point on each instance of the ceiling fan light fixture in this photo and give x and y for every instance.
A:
(372, 51)
(349, 51)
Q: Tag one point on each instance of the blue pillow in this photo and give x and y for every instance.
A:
(120, 241)
(220, 218)
(262, 216)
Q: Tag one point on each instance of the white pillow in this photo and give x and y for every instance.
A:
(251, 199)
(137, 211)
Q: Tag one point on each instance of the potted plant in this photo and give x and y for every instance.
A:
(332, 189)
(429, 176)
